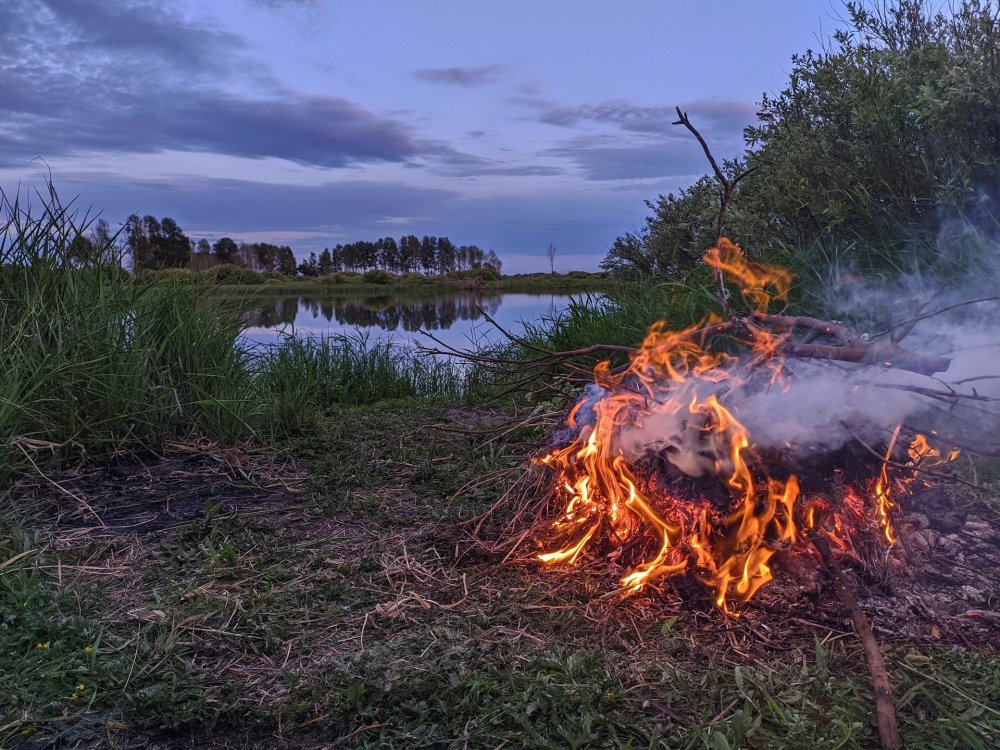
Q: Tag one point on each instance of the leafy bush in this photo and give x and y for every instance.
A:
(168, 275)
(480, 274)
(340, 278)
(378, 276)
(415, 277)
(230, 274)
(872, 136)
(276, 276)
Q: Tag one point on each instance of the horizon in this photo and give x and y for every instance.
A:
(308, 124)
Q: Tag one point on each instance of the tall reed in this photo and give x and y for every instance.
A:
(92, 360)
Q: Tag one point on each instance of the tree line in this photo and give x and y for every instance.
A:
(411, 253)
(160, 243)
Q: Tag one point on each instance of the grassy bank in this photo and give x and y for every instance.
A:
(235, 280)
(97, 361)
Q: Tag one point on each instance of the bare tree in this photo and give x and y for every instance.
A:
(550, 253)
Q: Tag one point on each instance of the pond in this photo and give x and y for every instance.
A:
(456, 319)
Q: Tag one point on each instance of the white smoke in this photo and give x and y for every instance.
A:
(824, 405)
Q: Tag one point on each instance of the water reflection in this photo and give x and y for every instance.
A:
(455, 319)
(384, 311)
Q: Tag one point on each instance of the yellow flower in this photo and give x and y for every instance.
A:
(74, 696)
(27, 730)
(81, 687)
(88, 649)
(43, 645)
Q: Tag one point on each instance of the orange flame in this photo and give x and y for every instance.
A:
(674, 379)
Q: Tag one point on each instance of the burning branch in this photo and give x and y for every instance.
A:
(728, 185)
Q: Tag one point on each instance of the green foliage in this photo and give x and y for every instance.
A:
(305, 375)
(378, 276)
(94, 359)
(155, 244)
(872, 137)
(231, 274)
(168, 275)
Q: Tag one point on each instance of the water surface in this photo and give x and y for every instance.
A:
(456, 319)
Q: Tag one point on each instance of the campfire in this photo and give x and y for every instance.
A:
(752, 441)
(660, 476)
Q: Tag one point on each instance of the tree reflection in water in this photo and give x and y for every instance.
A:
(385, 312)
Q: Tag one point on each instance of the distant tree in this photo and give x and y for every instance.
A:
(337, 258)
(389, 254)
(203, 247)
(226, 250)
(265, 256)
(81, 250)
(409, 253)
(310, 267)
(493, 261)
(325, 262)
(101, 237)
(173, 247)
(286, 261)
(156, 244)
(476, 256)
(352, 256)
(446, 255)
(428, 253)
(550, 253)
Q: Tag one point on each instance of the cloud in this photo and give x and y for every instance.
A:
(203, 203)
(449, 161)
(469, 77)
(721, 116)
(122, 76)
(282, 4)
(637, 142)
(639, 162)
(709, 115)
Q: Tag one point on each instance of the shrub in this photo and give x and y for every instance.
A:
(378, 276)
(481, 274)
(340, 278)
(230, 274)
(415, 277)
(180, 275)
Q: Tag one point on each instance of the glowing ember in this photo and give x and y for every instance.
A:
(667, 402)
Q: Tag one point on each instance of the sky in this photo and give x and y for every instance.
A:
(509, 125)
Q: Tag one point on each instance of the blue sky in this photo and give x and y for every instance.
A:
(310, 122)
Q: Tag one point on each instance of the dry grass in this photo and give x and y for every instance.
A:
(359, 613)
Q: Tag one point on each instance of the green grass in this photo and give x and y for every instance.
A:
(303, 375)
(239, 281)
(304, 625)
(94, 360)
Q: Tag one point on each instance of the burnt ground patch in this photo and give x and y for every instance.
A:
(146, 493)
